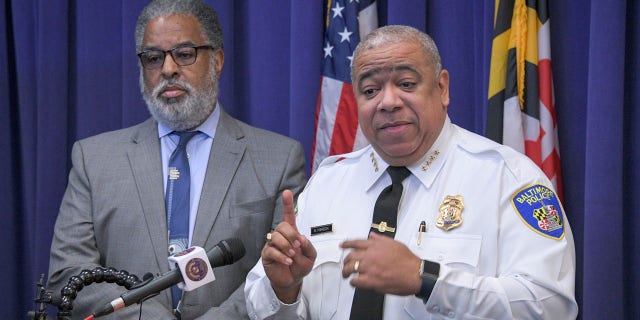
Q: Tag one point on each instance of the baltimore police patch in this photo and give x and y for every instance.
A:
(539, 208)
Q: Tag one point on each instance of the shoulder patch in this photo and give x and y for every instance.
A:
(539, 208)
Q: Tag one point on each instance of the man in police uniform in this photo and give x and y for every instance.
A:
(473, 237)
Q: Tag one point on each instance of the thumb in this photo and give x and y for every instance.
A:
(288, 212)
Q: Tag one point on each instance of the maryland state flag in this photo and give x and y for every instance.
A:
(521, 111)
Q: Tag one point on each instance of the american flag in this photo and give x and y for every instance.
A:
(336, 122)
(522, 110)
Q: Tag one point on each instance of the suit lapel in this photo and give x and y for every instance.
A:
(226, 154)
(227, 150)
(144, 157)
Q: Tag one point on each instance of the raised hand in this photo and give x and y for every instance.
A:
(288, 256)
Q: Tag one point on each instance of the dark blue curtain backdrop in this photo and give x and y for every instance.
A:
(68, 70)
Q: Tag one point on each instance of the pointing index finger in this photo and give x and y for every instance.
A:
(288, 212)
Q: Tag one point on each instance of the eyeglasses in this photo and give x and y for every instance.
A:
(182, 56)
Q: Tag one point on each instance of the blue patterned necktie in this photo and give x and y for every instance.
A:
(177, 201)
(368, 304)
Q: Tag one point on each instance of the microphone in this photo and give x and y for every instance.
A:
(225, 252)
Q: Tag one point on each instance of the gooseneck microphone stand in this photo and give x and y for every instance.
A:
(75, 284)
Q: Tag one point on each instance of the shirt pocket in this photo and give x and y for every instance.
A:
(459, 251)
(325, 279)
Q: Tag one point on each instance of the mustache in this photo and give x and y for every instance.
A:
(162, 86)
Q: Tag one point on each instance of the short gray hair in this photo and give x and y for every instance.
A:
(211, 29)
(398, 34)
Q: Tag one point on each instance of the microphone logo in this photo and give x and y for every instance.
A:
(184, 252)
(194, 266)
(196, 269)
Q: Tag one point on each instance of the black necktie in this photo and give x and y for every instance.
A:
(367, 304)
(177, 201)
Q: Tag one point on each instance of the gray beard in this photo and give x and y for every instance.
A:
(186, 111)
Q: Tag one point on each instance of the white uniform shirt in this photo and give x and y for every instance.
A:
(494, 265)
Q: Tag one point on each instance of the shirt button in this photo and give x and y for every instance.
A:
(435, 309)
(451, 314)
(440, 257)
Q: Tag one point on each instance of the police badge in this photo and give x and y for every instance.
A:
(450, 213)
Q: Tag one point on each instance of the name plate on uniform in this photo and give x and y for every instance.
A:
(322, 229)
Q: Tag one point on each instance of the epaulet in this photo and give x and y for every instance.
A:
(340, 157)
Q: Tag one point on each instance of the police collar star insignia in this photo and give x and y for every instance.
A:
(425, 166)
(450, 213)
(374, 162)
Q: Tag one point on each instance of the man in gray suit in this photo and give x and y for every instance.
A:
(113, 212)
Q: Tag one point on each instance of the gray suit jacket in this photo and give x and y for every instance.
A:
(113, 214)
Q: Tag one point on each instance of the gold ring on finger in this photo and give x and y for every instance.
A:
(269, 237)
(356, 265)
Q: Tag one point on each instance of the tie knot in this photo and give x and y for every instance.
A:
(185, 136)
(398, 174)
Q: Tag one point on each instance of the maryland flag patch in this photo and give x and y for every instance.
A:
(540, 210)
